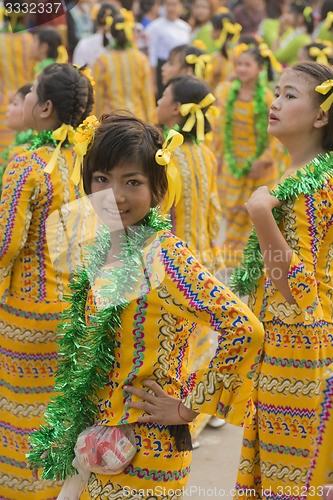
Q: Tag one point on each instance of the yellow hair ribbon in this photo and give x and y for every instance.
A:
(128, 24)
(307, 13)
(62, 54)
(237, 28)
(324, 88)
(240, 48)
(196, 115)
(108, 21)
(321, 55)
(60, 134)
(265, 51)
(228, 28)
(83, 137)
(163, 157)
(199, 63)
(328, 21)
(213, 111)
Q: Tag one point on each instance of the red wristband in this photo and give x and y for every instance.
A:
(187, 421)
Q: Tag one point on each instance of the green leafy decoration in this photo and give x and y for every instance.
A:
(260, 121)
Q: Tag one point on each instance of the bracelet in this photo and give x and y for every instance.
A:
(187, 421)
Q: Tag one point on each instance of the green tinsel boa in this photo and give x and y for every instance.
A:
(306, 180)
(86, 354)
(260, 123)
(42, 138)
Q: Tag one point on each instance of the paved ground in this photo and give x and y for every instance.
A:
(215, 462)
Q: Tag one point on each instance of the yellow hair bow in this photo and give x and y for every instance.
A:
(229, 29)
(265, 51)
(240, 48)
(324, 88)
(328, 21)
(60, 134)
(213, 111)
(108, 21)
(128, 24)
(237, 28)
(321, 55)
(199, 63)
(196, 115)
(307, 13)
(62, 54)
(163, 157)
(82, 138)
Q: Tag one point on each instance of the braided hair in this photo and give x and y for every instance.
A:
(70, 92)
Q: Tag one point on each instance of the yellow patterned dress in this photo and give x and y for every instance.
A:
(123, 81)
(31, 292)
(235, 192)
(152, 342)
(219, 69)
(16, 69)
(298, 348)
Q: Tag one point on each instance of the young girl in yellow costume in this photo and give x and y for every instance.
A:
(14, 121)
(243, 146)
(287, 269)
(122, 74)
(163, 293)
(16, 70)
(197, 217)
(185, 60)
(35, 184)
(47, 48)
(225, 31)
(293, 295)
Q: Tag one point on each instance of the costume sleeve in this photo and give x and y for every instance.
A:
(147, 91)
(19, 189)
(225, 384)
(100, 87)
(310, 221)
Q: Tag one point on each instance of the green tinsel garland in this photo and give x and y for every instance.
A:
(306, 180)
(260, 121)
(86, 354)
(42, 138)
(187, 135)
